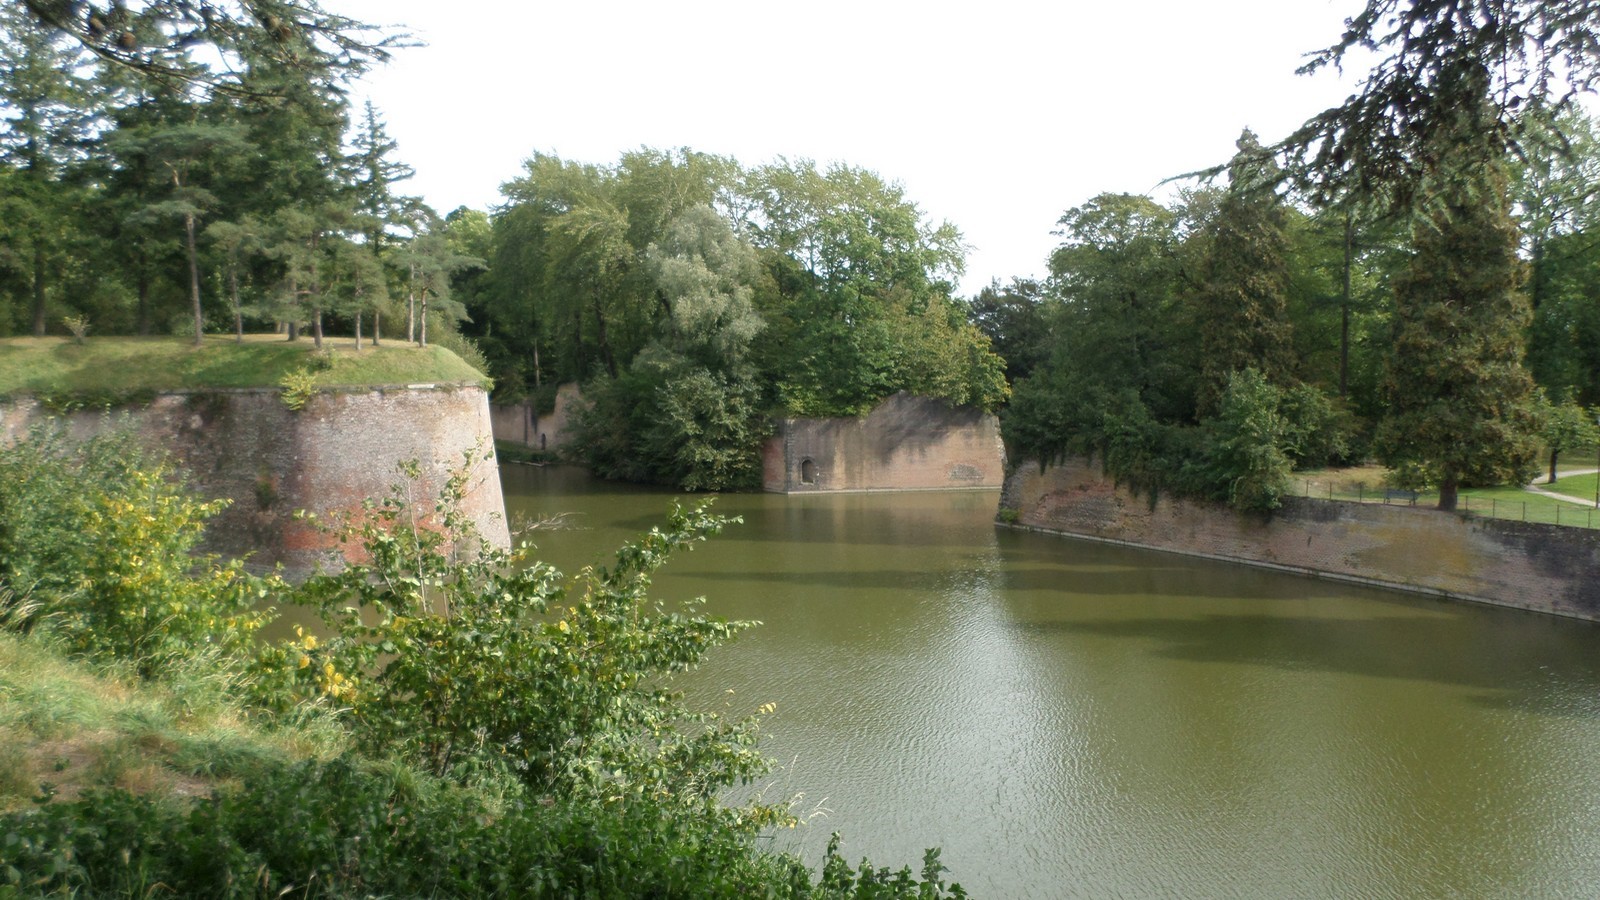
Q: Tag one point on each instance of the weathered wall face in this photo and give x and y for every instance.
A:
(1545, 568)
(341, 448)
(907, 443)
(520, 423)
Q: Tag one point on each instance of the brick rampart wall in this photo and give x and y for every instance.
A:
(342, 447)
(906, 443)
(1545, 568)
(520, 423)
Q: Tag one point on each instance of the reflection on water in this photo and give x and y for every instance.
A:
(1071, 719)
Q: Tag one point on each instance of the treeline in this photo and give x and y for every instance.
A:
(184, 194)
(1211, 343)
(696, 298)
(693, 297)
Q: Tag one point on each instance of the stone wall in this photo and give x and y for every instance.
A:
(520, 423)
(907, 443)
(1545, 568)
(342, 447)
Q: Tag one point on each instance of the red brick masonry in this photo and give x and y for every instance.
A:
(341, 448)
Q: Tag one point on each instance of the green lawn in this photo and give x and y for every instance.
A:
(1580, 486)
(111, 367)
(1368, 484)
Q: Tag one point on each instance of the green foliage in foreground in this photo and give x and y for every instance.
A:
(98, 549)
(505, 731)
(116, 370)
(462, 658)
(350, 829)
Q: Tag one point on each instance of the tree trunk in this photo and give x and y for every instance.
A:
(238, 313)
(1344, 305)
(577, 341)
(377, 326)
(1553, 455)
(600, 335)
(358, 332)
(422, 322)
(194, 279)
(144, 299)
(1448, 491)
(411, 307)
(1536, 274)
(38, 291)
(294, 330)
(316, 329)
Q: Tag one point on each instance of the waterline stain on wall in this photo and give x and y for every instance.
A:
(1544, 568)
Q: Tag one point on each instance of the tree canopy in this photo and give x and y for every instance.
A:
(1540, 55)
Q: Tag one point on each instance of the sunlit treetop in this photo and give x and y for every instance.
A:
(1538, 56)
(161, 39)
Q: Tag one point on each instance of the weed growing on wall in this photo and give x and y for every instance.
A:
(298, 386)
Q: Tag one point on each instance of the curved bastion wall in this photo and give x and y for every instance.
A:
(1525, 565)
(342, 447)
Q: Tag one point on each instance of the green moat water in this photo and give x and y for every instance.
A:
(1068, 719)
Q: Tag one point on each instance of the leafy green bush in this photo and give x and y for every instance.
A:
(353, 829)
(468, 660)
(101, 544)
(1249, 462)
(298, 388)
(668, 421)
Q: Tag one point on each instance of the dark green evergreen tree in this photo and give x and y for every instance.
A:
(1241, 307)
(1459, 399)
(48, 116)
(372, 172)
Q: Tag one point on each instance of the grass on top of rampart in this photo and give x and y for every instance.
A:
(111, 368)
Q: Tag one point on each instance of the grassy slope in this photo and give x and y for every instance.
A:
(65, 726)
(128, 365)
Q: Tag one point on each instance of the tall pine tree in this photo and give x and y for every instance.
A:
(1460, 401)
(1242, 306)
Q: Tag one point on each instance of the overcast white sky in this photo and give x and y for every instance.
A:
(996, 116)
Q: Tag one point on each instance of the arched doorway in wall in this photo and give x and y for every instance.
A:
(808, 471)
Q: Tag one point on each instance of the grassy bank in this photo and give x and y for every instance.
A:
(112, 367)
(68, 729)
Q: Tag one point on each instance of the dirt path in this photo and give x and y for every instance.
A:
(1537, 489)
